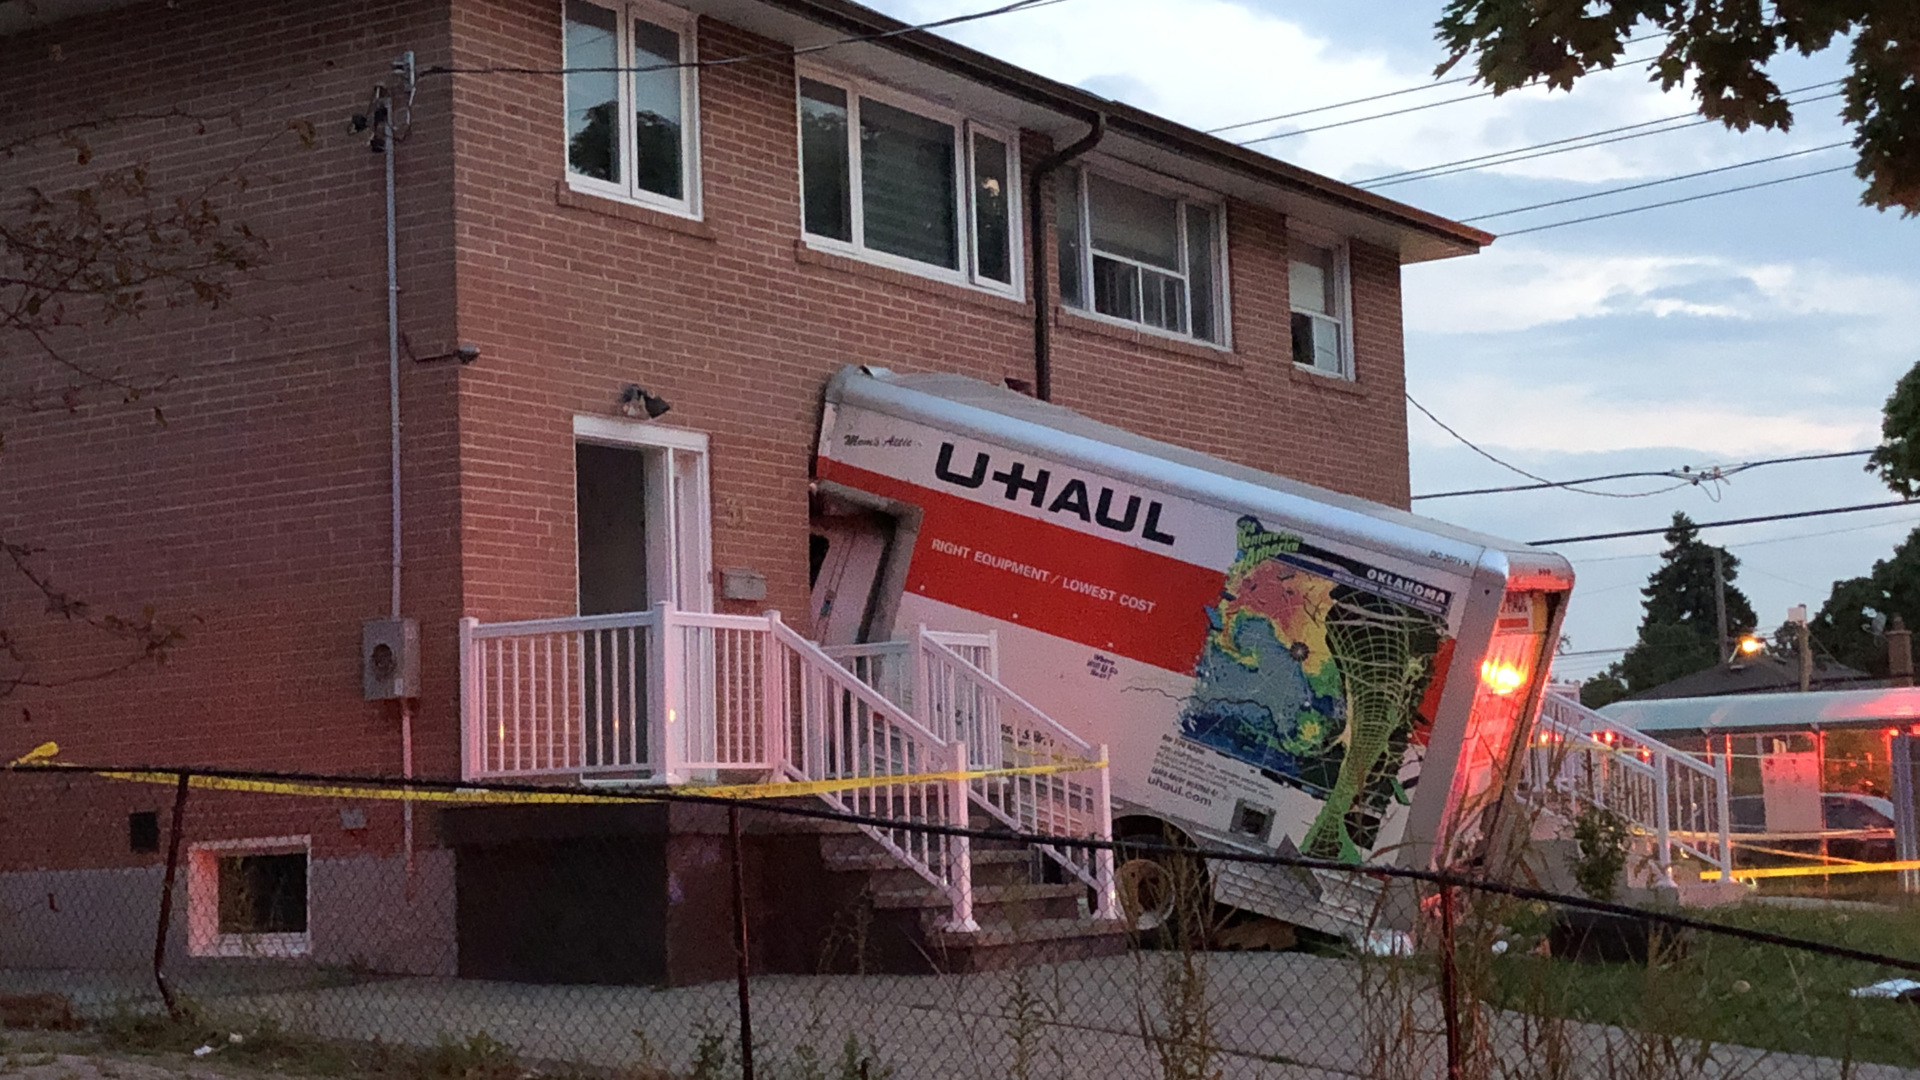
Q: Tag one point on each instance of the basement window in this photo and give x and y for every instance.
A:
(249, 898)
(631, 103)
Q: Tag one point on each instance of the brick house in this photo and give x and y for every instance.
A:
(709, 236)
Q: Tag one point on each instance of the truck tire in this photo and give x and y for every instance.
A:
(1166, 897)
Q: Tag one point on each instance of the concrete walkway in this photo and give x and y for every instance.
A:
(1278, 1015)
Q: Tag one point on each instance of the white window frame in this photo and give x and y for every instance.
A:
(1342, 296)
(964, 128)
(679, 505)
(204, 937)
(1184, 194)
(684, 23)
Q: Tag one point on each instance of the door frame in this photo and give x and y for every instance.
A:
(679, 507)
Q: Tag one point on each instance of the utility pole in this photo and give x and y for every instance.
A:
(1720, 606)
(1803, 638)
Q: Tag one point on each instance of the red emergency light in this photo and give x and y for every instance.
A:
(1502, 677)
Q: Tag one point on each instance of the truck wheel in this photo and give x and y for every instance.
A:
(1165, 896)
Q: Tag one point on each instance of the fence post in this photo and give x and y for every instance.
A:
(665, 724)
(1107, 903)
(741, 965)
(1449, 983)
(166, 899)
(960, 848)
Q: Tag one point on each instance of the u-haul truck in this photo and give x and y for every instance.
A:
(1270, 664)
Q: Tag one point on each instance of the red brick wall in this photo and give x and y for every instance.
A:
(739, 325)
(258, 515)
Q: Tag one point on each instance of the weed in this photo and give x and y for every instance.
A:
(478, 1057)
(714, 1056)
(1602, 837)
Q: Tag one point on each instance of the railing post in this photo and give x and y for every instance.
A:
(775, 700)
(960, 848)
(665, 725)
(918, 689)
(1106, 899)
(472, 723)
(1662, 816)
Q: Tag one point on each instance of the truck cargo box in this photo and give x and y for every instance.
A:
(1270, 664)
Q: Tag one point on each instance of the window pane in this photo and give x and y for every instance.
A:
(1116, 288)
(1310, 280)
(827, 187)
(1201, 272)
(907, 185)
(656, 111)
(1163, 301)
(593, 97)
(1134, 224)
(1066, 216)
(1316, 343)
(263, 894)
(992, 223)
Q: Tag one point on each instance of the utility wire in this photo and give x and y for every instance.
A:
(1677, 202)
(1722, 524)
(1686, 472)
(1396, 112)
(1543, 481)
(1456, 80)
(1657, 183)
(771, 54)
(1635, 130)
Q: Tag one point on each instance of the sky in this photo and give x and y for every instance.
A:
(1759, 324)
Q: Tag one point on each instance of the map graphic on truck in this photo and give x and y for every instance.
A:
(1314, 682)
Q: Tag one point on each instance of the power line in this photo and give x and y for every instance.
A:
(1342, 104)
(1720, 524)
(1677, 202)
(1396, 112)
(1469, 444)
(1656, 183)
(1456, 80)
(771, 54)
(1686, 472)
(1635, 131)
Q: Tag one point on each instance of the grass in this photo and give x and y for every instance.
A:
(1725, 990)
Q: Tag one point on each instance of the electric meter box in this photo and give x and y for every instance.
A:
(389, 659)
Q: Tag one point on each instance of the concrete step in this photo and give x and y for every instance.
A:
(1031, 901)
(999, 945)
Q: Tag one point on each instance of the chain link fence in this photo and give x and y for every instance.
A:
(333, 927)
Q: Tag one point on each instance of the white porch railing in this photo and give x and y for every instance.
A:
(668, 696)
(949, 680)
(1581, 759)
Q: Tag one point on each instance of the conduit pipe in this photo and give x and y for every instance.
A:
(1036, 186)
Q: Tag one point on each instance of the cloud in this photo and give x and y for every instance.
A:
(1507, 290)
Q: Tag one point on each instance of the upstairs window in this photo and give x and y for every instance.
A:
(630, 103)
(1141, 256)
(1317, 292)
(906, 186)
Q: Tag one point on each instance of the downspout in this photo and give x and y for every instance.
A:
(1036, 185)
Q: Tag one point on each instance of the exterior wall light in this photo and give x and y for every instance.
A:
(636, 402)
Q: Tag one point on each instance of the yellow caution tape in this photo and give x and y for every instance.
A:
(46, 751)
(391, 790)
(1755, 873)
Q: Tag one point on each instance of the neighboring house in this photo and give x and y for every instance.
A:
(1764, 674)
(720, 238)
